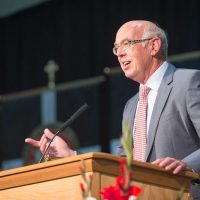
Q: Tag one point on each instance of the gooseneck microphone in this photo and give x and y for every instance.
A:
(65, 125)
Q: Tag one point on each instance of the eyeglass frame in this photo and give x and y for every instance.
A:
(129, 43)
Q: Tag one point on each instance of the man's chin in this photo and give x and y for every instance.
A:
(131, 76)
(128, 75)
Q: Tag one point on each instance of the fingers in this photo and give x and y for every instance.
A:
(157, 162)
(178, 169)
(42, 140)
(35, 143)
(58, 147)
(48, 134)
(175, 165)
(171, 164)
(43, 143)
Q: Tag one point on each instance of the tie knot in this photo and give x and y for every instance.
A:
(144, 90)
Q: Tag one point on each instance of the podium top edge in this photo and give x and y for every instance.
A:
(91, 156)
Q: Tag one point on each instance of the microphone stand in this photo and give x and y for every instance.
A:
(65, 125)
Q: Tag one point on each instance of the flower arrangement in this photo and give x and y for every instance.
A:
(123, 188)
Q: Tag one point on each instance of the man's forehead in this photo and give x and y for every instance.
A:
(129, 31)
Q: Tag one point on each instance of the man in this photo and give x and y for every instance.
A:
(173, 131)
(172, 128)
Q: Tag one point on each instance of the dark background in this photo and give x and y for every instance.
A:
(79, 36)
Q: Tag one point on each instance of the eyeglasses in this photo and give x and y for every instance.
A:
(127, 44)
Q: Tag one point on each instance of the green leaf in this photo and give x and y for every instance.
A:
(126, 142)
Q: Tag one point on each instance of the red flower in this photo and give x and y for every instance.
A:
(123, 188)
(123, 165)
(120, 181)
(90, 177)
(110, 193)
(136, 191)
(81, 169)
(82, 187)
(114, 192)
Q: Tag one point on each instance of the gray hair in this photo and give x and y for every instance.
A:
(154, 30)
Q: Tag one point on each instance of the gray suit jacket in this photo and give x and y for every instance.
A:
(174, 129)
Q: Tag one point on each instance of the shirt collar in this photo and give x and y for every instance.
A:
(155, 79)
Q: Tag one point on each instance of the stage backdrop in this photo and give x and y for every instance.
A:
(79, 36)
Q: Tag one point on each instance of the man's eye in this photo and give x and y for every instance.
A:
(125, 43)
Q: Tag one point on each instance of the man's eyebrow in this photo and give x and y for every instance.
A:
(121, 41)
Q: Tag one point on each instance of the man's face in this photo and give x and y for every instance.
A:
(135, 59)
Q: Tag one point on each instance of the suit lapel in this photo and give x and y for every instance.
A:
(132, 117)
(161, 99)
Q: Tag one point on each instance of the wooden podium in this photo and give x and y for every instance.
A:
(59, 179)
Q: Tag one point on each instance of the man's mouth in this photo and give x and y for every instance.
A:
(126, 63)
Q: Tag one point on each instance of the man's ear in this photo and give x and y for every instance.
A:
(155, 45)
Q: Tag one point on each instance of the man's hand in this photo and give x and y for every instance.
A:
(171, 164)
(58, 148)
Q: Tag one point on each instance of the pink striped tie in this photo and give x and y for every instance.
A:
(140, 126)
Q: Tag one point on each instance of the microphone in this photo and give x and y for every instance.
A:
(65, 125)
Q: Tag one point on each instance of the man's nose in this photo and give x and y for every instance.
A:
(121, 52)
